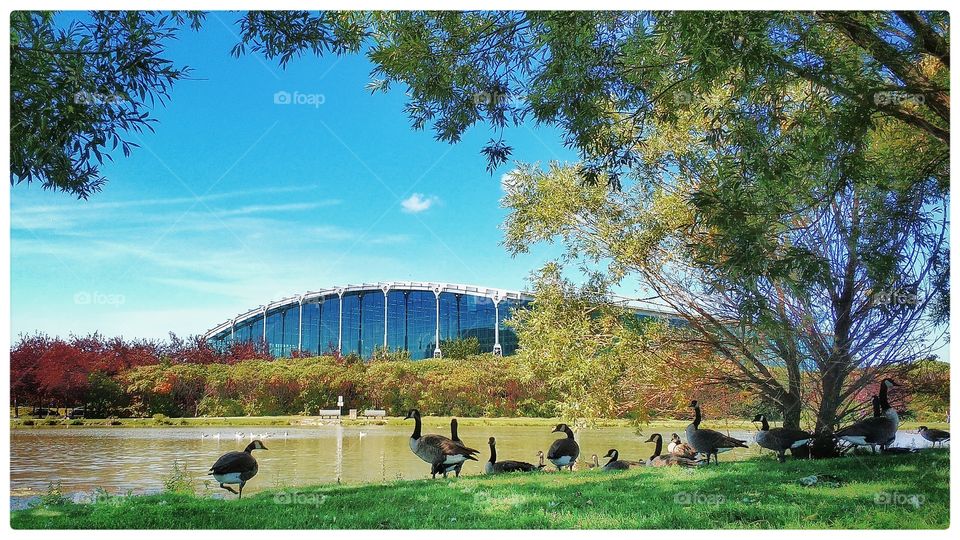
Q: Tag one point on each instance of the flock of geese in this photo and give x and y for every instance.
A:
(448, 454)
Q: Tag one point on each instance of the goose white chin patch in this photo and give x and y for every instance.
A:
(229, 478)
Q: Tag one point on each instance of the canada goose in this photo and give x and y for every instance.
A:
(671, 460)
(540, 464)
(437, 450)
(880, 430)
(708, 441)
(934, 435)
(563, 452)
(615, 463)
(779, 439)
(679, 448)
(508, 466)
(237, 467)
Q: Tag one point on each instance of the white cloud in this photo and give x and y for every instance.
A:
(507, 181)
(416, 203)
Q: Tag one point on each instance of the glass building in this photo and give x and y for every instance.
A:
(358, 319)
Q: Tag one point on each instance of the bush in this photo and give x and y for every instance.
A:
(180, 481)
(27, 423)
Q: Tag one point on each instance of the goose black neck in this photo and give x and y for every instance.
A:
(453, 430)
(876, 407)
(613, 457)
(696, 417)
(658, 449)
(764, 426)
(493, 453)
(416, 427)
(250, 448)
(568, 431)
(884, 404)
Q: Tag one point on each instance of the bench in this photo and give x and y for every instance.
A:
(329, 413)
(374, 413)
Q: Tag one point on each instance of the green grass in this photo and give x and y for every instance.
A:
(877, 491)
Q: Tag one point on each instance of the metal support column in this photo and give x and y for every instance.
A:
(497, 349)
(340, 324)
(437, 353)
(300, 328)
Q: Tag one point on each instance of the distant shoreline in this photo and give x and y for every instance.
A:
(312, 421)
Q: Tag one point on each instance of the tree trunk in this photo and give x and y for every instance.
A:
(791, 410)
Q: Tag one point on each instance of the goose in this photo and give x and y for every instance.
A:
(437, 450)
(615, 463)
(779, 439)
(708, 441)
(679, 448)
(594, 462)
(934, 435)
(508, 466)
(563, 452)
(670, 460)
(879, 430)
(237, 467)
(455, 437)
(541, 464)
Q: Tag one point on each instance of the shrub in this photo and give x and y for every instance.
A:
(27, 423)
(179, 481)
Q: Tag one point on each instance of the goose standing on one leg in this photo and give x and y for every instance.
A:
(874, 431)
(936, 436)
(237, 467)
(437, 450)
(507, 466)
(563, 452)
(708, 441)
(779, 439)
(671, 460)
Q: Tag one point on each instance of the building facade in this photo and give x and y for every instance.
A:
(358, 319)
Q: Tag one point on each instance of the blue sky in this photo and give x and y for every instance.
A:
(236, 200)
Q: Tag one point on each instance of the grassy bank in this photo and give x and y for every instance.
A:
(429, 421)
(883, 491)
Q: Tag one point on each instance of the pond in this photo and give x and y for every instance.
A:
(137, 460)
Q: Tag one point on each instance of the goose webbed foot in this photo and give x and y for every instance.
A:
(230, 489)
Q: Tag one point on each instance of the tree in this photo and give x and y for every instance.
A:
(77, 92)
